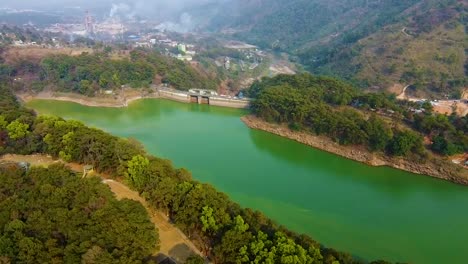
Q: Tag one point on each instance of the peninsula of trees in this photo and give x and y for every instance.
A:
(325, 105)
(330, 107)
(87, 74)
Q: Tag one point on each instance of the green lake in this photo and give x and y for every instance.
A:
(370, 212)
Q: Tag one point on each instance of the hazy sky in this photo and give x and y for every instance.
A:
(138, 4)
(160, 9)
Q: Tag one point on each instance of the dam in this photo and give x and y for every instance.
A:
(201, 96)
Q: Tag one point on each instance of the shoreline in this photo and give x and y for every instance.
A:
(83, 100)
(432, 168)
(113, 102)
(360, 153)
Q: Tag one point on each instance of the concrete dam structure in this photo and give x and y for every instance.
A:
(198, 96)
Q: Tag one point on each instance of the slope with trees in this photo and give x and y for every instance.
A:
(52, 215)
(88, 74)
(327, 106)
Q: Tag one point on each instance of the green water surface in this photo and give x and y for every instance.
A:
(374, 213)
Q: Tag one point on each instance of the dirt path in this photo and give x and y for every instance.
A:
(444, 107)
(173, 242)
(406, 33)
(403, 96)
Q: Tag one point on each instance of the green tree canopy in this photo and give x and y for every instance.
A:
(52, 215)
(17, 130)
(136, 173)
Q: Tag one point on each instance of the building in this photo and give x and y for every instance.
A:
(142, 44)
(89, 24)
(227, 63)
(184, 57)
(191, 52)
(182, 48)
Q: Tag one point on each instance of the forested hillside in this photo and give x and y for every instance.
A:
(373, 42)
(326, 106)
(53, 216)
(89, 73)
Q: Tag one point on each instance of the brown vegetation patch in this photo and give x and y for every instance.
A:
(36, 54)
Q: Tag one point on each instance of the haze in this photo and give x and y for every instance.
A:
(138, 7)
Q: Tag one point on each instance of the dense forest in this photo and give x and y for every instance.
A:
(89, 73)
(327, 106)
(224, 231)
(51, 215)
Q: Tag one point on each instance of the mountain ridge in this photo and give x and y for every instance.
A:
(350, 39)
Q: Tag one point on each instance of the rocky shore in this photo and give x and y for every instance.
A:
(437, 168)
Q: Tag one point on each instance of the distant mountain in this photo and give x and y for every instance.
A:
(374, 42)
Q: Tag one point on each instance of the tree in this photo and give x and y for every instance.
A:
(443, 146)
(3, 122)
(232, 241)
(260, 250)
(405, 142)
(68, 147)
(195, 259)
(379, 133)
(116, 80)
(208, 220)
(17, 130)
(289, 252)
(137, 167)
(427, 106)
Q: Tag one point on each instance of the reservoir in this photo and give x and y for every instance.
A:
(374, 213)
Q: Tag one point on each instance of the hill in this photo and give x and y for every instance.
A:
(52, 215)
(68, 70)
(379, 42)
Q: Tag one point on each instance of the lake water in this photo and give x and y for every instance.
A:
(374, 213)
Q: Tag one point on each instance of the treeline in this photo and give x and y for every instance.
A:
(327, 106)
(224, 231)
(53, 216)
(88, 73)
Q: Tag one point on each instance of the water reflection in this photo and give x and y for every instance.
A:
(393, 182)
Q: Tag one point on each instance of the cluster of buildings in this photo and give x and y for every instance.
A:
(176, 49)
(19, 40)
(251, 57)
(108, 29)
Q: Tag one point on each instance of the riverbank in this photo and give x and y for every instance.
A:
(124, 99)
(437, 168)
(104, 101)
